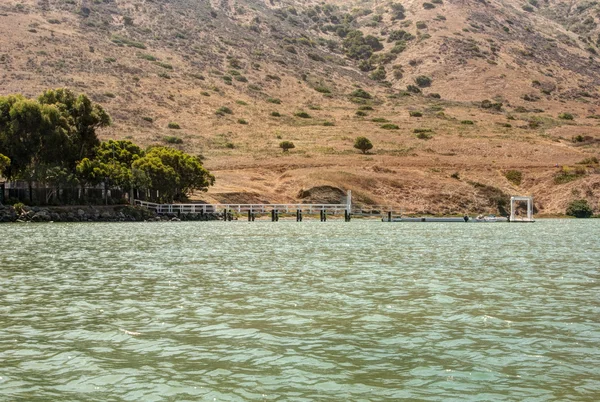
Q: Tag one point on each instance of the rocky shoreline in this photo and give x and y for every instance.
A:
(118, 213)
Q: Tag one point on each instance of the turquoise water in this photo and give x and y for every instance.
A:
(360, 311)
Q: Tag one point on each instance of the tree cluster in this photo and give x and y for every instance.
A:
(52, 140)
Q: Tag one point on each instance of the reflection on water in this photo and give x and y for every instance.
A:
(300, 311)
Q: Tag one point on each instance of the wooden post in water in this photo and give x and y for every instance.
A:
(272, 215)
(389, 216)
(249, 216)
(298, 215)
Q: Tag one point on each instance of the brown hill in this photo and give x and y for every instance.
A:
(488, 97)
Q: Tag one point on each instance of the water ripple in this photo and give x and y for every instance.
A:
(300, 312)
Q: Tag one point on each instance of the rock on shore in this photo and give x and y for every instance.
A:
(119, 213)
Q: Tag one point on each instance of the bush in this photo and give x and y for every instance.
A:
(360, 113)
(423, 81)
(514, 176)
(579, 209)
(467, 122)
(428, 6)
(286, 145)
(303, 115)
(424, 136)
(565, 116)
(363, 144)
(224, 110)
(174, 126)
(275, 114)
(328, 124)
(487, 104)
(379, 120)
(164, 65)
(390, 126)
(413, 89)
(528, 8)
(148, 119)
(242, 121)
(379, 74)
(365, 107)
(276, 101)
(361, 93)
(414, 113)
(567, 174)
(148, 57)
(322, 89)
(589, 161)
(173, 140)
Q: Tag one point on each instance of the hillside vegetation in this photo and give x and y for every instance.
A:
(464, 102)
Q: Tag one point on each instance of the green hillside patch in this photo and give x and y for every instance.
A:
(123, 41)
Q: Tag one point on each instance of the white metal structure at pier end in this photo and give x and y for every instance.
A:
(529, 201)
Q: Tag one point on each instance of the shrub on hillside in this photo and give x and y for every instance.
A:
(390, 126)
(361, 93)
(174, 126)
(414, 113)
(173, 140)
(322, 89)
(514, 176)
(565, 116)
(567, 174)
(379, 74)
(363, 144)
(303, 115)
(224, 110)
(579, 209)
(286, 145)
(423, 81)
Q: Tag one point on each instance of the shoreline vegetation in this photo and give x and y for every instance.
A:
(52, 141)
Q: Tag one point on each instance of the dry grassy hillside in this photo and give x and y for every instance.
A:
(466, 101)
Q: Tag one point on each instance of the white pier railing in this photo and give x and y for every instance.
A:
(240, 208)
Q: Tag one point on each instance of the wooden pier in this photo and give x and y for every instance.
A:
(228, 212)
(274, 211)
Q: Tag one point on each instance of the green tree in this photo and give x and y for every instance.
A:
(173, 173)
(363, 143)
(111, 164)
(579, 209)
(4, 163)
(121, 151)
(84, 118)
(286, 145)
(31, 135)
